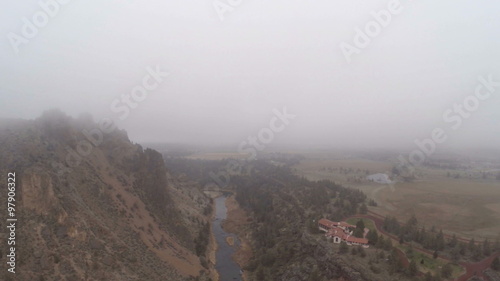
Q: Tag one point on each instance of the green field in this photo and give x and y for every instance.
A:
(368, 222)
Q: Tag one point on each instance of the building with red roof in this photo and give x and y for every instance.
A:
(341, 231)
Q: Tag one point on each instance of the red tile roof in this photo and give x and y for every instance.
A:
(330, 223)
(326, 222)
(353, 239)
(344, 224)
(336, 231)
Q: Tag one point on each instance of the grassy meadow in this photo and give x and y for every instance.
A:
(467, 205)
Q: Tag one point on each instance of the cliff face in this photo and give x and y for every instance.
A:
(93, 206)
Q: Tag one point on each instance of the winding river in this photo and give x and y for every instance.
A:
(227, 268)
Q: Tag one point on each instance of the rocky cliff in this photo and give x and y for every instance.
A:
(91, 205)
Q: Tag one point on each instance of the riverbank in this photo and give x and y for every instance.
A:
(212, 244)
(211, 250)
(237, 222)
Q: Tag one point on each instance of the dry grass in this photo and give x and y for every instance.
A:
(467, 207)
(143, 223)
(314, 169)
(316, 164)
(218, 156)
(151, 234)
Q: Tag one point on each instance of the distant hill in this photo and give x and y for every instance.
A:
(91, 205)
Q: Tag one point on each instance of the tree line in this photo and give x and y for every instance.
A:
(436, 241)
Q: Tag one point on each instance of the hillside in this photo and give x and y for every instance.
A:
(98, 208)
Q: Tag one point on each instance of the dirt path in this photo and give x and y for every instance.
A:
(471, 269)
(476, 269)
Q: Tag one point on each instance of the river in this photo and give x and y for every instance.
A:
(227, 268)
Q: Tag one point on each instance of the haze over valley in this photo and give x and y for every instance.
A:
(250, 140)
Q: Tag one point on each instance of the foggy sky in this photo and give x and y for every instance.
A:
(226, 77)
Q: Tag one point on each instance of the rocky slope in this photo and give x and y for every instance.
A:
(91, 205)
